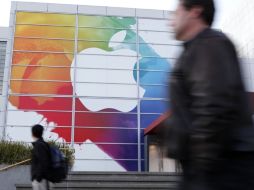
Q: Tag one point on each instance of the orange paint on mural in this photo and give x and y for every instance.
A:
(31, 70)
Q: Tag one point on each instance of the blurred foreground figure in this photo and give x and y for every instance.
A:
(210, 131)
(40, 160)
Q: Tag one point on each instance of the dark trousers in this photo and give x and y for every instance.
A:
(235, 172)
(42, 185)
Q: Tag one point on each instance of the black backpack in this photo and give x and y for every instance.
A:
(58, 169)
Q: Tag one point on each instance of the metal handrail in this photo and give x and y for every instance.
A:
(22, 162)
(15, 165)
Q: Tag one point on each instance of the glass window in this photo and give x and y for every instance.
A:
(106, 120)
(119, 151)
(106, 62)
(147, 119)
(16, 118)
(155, 91)
(155, 64)
(106, 90)
(35, 87)
(44, 31)
(45, 18)
(42, 103)
(154, 25)
(154, 106)
(106, 21)
(158, 38)
(106, 165)
(43, 45)
(42, 59)
(104, 48)
(164, 51)
(40, 73)
(96, 34)
(106, 76)
(154, 77)
(100, 135)
(23, 133)
(106, 105)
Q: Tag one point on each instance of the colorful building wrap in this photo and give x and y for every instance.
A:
(96, 78)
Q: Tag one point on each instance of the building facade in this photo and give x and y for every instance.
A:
(239, 27)
(4, 36)
(95, 77)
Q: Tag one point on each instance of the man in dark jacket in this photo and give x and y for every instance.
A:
(40, 160)
(210, 131)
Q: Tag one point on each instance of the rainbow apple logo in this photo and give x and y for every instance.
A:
(108, 90)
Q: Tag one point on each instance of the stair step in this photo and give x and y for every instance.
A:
(121, 174)
(124, 179)
(112, 186)
(114, 181)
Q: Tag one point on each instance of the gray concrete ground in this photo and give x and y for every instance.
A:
(18, 175)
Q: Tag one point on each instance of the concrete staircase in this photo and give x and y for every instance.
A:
(113, 181)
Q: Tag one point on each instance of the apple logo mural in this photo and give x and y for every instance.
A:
(110, 60)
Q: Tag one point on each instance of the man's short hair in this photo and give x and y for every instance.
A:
(37, 131)
(208, 8)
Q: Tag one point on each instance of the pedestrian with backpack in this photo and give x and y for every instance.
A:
(41, 160)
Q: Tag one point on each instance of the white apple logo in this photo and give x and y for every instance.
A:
(113, 76)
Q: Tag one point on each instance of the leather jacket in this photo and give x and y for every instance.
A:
(210, 110)
(40, 160)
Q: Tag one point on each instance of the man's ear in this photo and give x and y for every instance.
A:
(196, 11)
